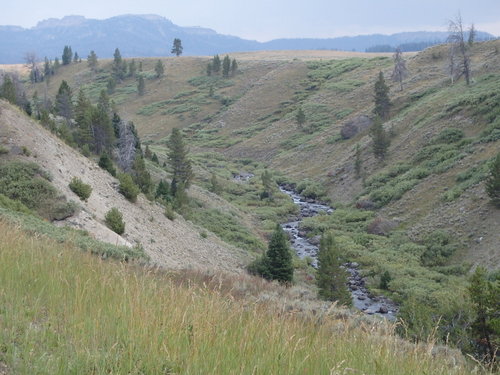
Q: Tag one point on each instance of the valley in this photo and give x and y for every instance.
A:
(410, 228)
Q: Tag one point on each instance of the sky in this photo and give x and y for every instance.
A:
(266, 20)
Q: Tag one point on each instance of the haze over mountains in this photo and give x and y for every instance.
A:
(152, 35)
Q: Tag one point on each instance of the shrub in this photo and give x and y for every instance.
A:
(3, 150)
(80, 188)
(127, 187)
(114, 221)
(106, 164)
(30, 185)
(450, 135)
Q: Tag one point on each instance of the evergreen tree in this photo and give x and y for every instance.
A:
(493, 181)
(106, 163)
(76, 58)
(279, 257)
(98, 125)
(92, 61)
(380, 138)
(67, 55)
(141, 86)
(56, 66)
(141, 176)
(177, 47)
(216, 64)
(64, 103)
(209, 69)
(8, 90)
(382, 102)
(268, 183)
(331, 279)
(163, 191)
(132, 68)
(180, 163)
(234, 67)
(485, 296)
(226, 66)
(116, 121)
(111, 85)
(47, 68)
(103, 102)
(300, 117)
(159, 69)
(118, 65)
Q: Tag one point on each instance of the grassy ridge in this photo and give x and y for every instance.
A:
(66, 312)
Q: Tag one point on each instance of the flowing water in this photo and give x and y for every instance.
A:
(362, 299)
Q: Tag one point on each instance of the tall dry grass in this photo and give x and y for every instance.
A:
(67, 312)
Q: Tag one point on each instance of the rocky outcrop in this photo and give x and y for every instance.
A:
(354, 126)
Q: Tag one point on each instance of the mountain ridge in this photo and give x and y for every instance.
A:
(150, 35)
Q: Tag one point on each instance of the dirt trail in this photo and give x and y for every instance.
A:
(172, 244)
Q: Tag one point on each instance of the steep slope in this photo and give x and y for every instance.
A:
(173, 244)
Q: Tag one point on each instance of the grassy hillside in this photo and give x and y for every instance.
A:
(64, 312)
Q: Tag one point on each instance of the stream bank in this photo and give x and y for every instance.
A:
(362, 298)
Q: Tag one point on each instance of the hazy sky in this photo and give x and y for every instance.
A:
(269, 19)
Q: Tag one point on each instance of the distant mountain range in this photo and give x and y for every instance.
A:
(152, 35)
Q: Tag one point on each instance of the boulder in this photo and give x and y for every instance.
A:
(383, 310)
(354, 126)
(381, 226)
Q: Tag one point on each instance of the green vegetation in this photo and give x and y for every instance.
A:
(30, 185)
(127, 323)
(114, 221)
(493, 181)
(127, 187)
(331, 278)
(80, 188)
(276, 263)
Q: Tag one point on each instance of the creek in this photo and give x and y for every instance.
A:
(362, 298)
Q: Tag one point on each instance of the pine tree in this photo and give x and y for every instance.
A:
(493, 181)
(8, 90)
(234, 67)
(300, 117)
(226, 66)
(111, 85)
(180, 163)
(382, 102)
(177, 47)
(92, 61)
(118, 65)
(64, 103)
(76, 58)
(216, 64)
(132, 68)
(267, 182)
(147, 153)
(209, 69)
(331, 279)
(141, 176)
(159, 69)
(163, 191)
(279, 257)
(141, 86)
(485, 296)
(67, 55)
(380, 138)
